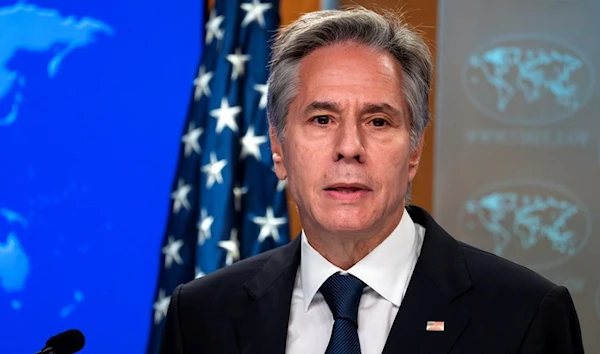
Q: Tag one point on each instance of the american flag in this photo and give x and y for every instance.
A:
(227, 203)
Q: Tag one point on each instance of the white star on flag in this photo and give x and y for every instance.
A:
(212, 27)
(180, 196)
(238, 192)
(191, 139)
(263, 89)
(232, 248)
(161, 306)
(238, 60)
(201, 84)
(250, 144)
(204, 226)
(226, 116)
(268, 225)
(255, 12)
(213, 170)
(171, 252)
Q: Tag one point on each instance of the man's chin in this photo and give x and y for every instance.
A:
(339, 220)
(347, 228)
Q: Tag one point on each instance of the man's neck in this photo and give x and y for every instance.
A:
(346, 249)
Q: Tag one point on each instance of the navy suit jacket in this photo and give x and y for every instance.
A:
(488, 305)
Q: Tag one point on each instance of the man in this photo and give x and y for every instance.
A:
(347, 107)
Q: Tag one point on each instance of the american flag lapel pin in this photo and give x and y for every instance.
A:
(435, 326)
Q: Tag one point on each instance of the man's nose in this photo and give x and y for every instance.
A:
(349, 144)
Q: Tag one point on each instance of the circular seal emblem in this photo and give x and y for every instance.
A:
(528, 80)
(534, 223)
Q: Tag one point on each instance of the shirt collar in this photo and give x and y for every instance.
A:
(386, 269)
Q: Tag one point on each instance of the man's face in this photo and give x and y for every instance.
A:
(346, 151)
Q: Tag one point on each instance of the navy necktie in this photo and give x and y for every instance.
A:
(342, 293)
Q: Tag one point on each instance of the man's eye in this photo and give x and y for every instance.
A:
(379, 122)
(322, 120)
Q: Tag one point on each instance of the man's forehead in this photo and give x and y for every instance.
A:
(341, 63)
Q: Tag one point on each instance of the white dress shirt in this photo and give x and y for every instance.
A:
(386, 271)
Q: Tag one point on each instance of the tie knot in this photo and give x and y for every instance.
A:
(342, 294)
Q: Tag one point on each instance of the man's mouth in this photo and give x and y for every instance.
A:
(346, 188)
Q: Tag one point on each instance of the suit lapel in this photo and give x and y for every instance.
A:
(262, 326)
(433, 294)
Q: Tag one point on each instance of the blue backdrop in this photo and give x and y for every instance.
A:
(93, 96)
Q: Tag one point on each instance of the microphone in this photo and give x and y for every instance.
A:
(68, 342)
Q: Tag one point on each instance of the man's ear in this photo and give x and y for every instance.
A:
(276, 147)
(415, 158)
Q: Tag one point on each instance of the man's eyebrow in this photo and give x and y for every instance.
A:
(322, 106)
(368, 108)
(380, 108)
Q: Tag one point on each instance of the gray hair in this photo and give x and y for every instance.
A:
(387, 32)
